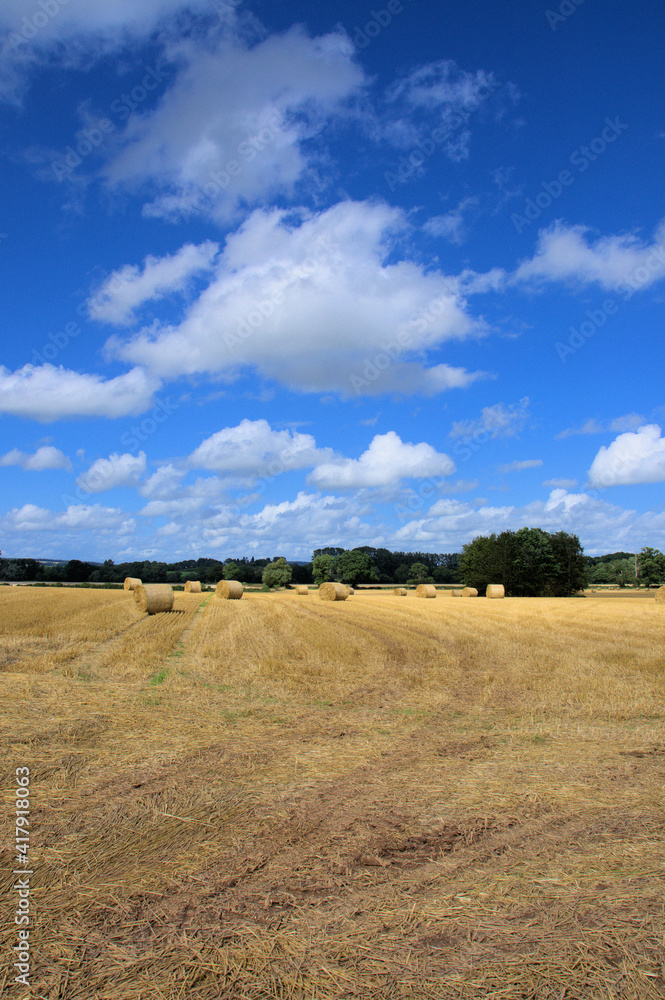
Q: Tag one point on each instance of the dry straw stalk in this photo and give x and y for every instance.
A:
(425, 590)
(193, 587)
(154, 597)
(333, 592)
(131, 583)
(400, 591)
(469, 592)
(229, 590)
(495, 590)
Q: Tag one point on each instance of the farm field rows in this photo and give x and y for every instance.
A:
(382, 797)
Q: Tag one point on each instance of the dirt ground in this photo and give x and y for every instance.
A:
(383, 797)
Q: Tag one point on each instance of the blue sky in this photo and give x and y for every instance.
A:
(279, 277)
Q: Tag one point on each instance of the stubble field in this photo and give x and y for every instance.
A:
(382, 797)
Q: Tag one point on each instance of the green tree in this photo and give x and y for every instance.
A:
(480, 563)
(419, 573)
(321, 567)
(650, 567)
(231, 570)
(401, 574)
(354, 567)
(277, 573)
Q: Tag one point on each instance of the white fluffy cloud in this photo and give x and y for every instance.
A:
(254, 449)
(208, 155)
(624, 263)
(125, 290)
(47, 393)
(46, 457)
(312, 302)
(631, 459)
(109, 473)
(77, 517)
(387, 460)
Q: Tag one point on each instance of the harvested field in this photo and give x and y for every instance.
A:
(368, 798)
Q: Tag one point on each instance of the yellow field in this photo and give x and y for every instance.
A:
(382, 797)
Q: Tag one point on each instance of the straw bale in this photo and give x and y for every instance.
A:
(333, 592)
(456, 593)
(495, 590)
(469, 592)
(131, 583)
(193, 587)
(425, 590)
(350, 591)
(400, 591)
(154, 597)
(229, 590)
(660, 595)
(302, 589)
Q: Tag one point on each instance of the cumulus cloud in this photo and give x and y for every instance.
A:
(623, 263)
(77, 517)
(109, 473)
(47, 393)
(254, 449)
(314, 301)
(631, 459)
(496, 421)
(387, 460)
(210, 156)
(46, 457)
(116, 300)
(519, 466)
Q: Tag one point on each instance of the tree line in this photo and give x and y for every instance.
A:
(529, 562)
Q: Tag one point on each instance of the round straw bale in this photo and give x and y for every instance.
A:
(154, 597)
(469, 592)
(425, 590)
(193, 587)
(350, 591)
(495, 590)
(400, 591)
(131, 583)
(660, 595)
(456, 593)
(333, 592)
(229, 590)
(302, 590)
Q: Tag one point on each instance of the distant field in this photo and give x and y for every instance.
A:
(382, 797)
